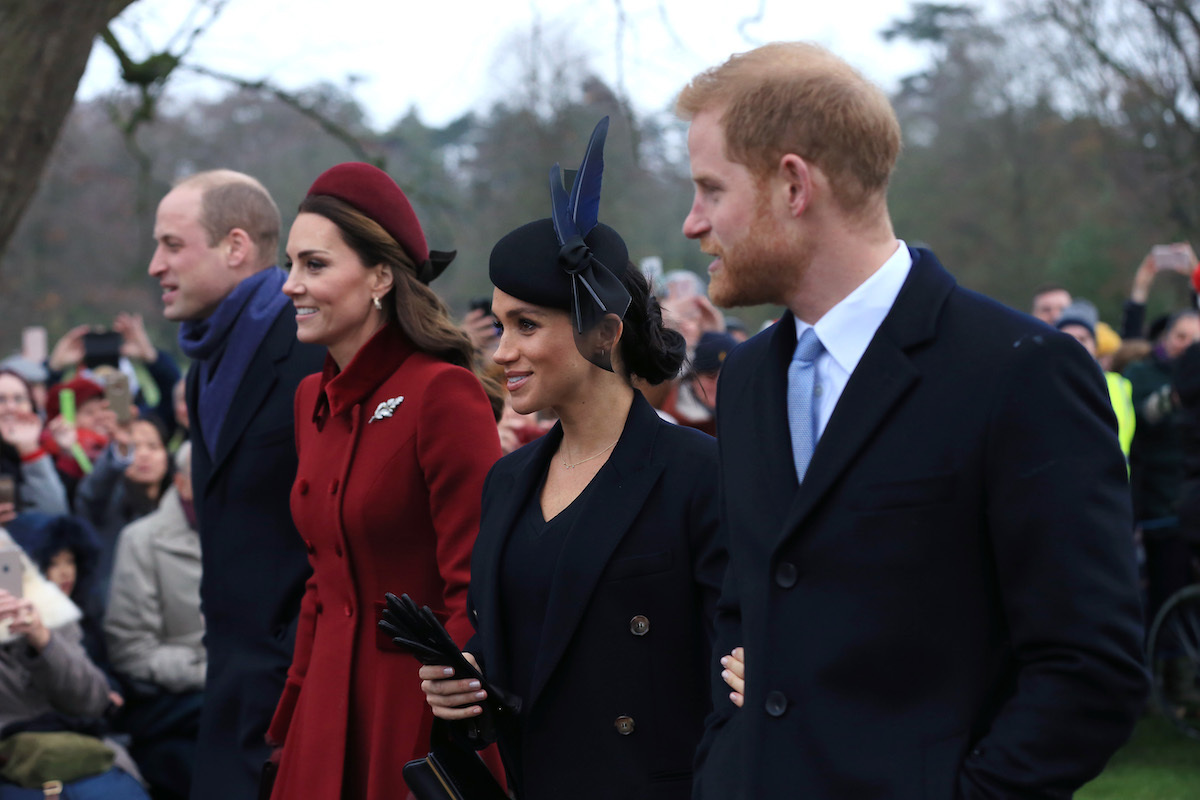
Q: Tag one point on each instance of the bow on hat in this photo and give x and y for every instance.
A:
(596, 291)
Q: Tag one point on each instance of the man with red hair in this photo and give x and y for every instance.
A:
(931, 571)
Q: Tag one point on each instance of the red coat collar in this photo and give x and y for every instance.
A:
(373, 364)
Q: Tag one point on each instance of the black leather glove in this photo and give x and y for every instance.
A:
(419, 632)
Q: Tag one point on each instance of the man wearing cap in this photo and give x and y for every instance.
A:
(931, 568)
(217, 234)
(693, 400)
(1081, 322)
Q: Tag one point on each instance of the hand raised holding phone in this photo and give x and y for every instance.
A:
(1177, 257)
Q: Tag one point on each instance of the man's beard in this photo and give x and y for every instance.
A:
(764, 267)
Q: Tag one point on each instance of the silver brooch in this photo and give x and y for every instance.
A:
(386, 409)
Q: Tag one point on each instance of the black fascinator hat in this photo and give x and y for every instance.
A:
(570, 261)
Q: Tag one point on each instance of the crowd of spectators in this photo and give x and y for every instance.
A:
(94, 447)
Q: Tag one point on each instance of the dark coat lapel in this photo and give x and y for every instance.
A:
(883, 376)
(261, 376)
(514, 485)
(770, 438)
(613, 502)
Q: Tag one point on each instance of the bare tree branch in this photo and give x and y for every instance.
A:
(334, 129)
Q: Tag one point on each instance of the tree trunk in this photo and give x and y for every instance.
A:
(44, 48)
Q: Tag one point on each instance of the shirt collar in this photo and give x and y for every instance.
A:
(847, 329)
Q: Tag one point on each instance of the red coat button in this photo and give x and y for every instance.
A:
(302, 486)
(309, 547)
(333, 487)
(337, 549)
(349, 610)
(320, 608)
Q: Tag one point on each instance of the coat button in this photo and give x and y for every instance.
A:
(320, 608)
(624, 725)
(333, 487)
(786, 574)
(349, 611)
(309, 547)
(302, 486)
(776, 704)
(639, 625)
(337, 549)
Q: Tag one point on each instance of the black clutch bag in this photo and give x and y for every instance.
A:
(452, 770)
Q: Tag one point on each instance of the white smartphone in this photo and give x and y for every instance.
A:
(12, 571)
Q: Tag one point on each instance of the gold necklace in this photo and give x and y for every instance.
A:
(589, 458)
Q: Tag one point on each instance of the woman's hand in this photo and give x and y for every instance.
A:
(8, 512)
(68, 351)
(22, 430)
(106, 424)
(449, 697)
(135, 343)
(26, 621)
(734, 674)
(1143, 278)
(63, 433)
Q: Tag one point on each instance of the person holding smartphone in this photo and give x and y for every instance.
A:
(1178, 257)
(46, 678)
(598, 562)
(126, 483)
(394, 438)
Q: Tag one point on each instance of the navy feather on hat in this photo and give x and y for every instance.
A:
(569, 261)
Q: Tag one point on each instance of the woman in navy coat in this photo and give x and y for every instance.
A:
(598, 562)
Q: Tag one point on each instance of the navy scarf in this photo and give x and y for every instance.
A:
(224, 344)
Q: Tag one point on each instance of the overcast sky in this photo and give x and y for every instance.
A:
(449, 56)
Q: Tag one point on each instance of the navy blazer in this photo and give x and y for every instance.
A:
(620, 686)
(948, 606)
(254, 562)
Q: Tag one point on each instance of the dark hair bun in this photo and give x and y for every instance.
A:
(650, 350)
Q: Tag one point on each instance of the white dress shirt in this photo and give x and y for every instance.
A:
(847, 329)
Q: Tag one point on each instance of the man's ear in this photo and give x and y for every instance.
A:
(797, 178)
(239, 248)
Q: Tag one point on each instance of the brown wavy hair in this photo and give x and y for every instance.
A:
(418, 310)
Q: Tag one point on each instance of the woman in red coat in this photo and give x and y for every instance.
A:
(394, 437)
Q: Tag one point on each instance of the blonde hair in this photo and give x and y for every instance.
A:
(795, 97)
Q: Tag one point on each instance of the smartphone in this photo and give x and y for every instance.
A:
(12, 571)
(1172, 257)
(66, 405)
(101, 347)
(8, 489)
(116, 390)
(34, 343)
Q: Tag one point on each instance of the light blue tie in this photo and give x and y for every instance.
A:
(802, 412)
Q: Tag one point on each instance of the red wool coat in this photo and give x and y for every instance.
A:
(385, 502)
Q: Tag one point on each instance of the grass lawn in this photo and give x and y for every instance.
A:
(1158, 763)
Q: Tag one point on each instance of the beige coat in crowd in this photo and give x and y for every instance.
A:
(153, 626)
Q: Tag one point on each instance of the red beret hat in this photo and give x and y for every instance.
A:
(373, 192)
(84, 389)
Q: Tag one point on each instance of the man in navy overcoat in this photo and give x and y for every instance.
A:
(217, 235)
(931, 567)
